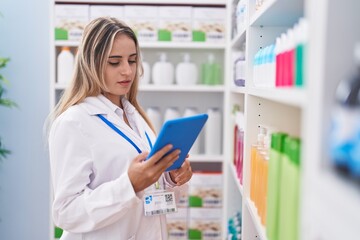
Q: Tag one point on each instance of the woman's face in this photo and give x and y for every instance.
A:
(121, 68)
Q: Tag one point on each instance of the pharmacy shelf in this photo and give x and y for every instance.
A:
(152, 2)
(177, 88)
(289, 96)
(236, 179)
(240, 90)
(169, 88)
(256, 220)
(277, 13)
(239, 38)
(206, 158)
(160, 45)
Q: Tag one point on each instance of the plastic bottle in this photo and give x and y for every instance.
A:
(240, 69)
(186, 72)
(213, 132)
(289, 192)
(65, 65)
(163, 71)
(171, 113)
(154, 115)
(210, 71)
(190, 111)
(276, 155)
(301, 38)
(145, 79)
(345, 131)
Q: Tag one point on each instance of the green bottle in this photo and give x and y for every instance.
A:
(273, 193)
(210, 72)
(289, 196)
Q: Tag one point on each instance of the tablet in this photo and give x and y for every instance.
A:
(181, 133)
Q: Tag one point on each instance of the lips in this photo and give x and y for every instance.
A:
(124, 83)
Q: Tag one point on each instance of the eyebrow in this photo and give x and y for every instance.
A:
(118, 56)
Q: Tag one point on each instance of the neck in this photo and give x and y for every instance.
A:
(115, 99)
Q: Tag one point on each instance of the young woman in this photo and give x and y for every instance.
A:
(99, 140)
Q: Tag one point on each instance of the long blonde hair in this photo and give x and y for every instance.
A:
(93, 52)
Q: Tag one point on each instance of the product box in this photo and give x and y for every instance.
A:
(106, 11)
(208, 24)
(143, 20)
(205, 224)
(205, 190)
(70, 21)
(175, 24)
(177, 224)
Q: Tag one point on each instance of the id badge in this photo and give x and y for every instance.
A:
(159, 202)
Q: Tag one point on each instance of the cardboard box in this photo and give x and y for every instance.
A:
(70, 21)
(177, 224)
(107, 11)
(205, 223)
(143, 20)
(175, 24)
(208, 24)
(205, 190)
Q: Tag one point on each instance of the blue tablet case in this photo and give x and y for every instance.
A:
(181, 133)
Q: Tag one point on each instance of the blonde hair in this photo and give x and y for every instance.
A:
(93, 52)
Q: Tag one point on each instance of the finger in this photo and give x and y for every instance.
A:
(141, 157)
(169, 160)
(159, 154)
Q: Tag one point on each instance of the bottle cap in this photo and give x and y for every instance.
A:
(277, 141)
(65, 48)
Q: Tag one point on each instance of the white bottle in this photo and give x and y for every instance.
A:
(171, 113)
(145, 79)
(213, 132)
(154, 115)
(186, 72)
(195, 149)
(65, 66)
(163, 71)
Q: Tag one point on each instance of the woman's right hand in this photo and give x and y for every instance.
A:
(143, 173)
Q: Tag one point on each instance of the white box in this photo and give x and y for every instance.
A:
(107, 11)
(205, 190)
(175, 24)
(177, 224)
(205, 223)
(209, 24)
(70, 21)
(143, 20)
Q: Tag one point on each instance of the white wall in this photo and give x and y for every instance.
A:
(24, 176)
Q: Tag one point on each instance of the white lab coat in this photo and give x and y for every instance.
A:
(93, 196)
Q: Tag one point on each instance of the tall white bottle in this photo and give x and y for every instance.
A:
(145, 79)
(213, 132)
(65, 66)
(195, 149)
(163, 71)
(186, 72)
(155, 117)
(171, 113)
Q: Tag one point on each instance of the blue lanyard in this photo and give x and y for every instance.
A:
(123, 135)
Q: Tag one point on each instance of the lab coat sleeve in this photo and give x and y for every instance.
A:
(76, 207)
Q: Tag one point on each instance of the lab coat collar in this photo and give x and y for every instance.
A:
(101, 105)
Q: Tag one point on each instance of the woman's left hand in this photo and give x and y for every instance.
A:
(183, 174)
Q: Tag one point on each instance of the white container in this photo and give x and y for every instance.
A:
(145, 79)
(163, 71)
(70, 21)
(186, 72)
(195, 149)
(106, 11)
(171, 113)
(65, 66)
(155, 117)
(213, 132)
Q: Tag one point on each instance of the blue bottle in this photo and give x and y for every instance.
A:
(345, 129)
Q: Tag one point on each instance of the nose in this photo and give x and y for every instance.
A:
(126, 69)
